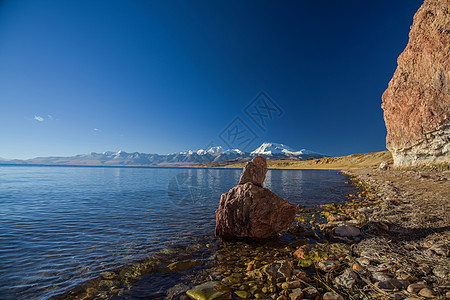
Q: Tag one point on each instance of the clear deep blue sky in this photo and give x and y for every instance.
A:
(166, 76)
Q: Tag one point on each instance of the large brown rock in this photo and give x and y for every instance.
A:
(254, 171)
(417, 102)
(251, 211)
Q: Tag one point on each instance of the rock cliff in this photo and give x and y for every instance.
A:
(417, 102)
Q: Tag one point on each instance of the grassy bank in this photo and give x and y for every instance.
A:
(349, 162)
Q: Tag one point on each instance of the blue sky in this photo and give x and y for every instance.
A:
(167, 76)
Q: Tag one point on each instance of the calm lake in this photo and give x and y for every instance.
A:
(61, 226)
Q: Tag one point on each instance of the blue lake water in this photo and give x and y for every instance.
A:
(60, 226)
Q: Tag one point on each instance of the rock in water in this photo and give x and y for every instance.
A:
(251, 211)
(417, 102)
(254, 171)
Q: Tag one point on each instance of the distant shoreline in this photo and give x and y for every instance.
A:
(349, 162)
(354, 161)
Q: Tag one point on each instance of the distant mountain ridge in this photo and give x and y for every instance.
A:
(184, 158)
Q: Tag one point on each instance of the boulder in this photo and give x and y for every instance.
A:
(254, 171)
(250, 211)
(417, 102)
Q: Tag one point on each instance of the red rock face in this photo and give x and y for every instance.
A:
(417, 102)
(251, 211)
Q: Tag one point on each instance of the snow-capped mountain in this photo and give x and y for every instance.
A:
(275, 149)
(189, 157)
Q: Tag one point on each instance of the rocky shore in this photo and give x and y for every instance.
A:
(389, 241)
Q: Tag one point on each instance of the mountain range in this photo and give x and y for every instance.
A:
(185, 158)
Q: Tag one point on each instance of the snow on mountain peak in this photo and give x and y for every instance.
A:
(277, 148)
(217, 149)
(268, 149)
(273, 148)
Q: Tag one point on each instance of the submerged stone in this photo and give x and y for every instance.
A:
(181, 266)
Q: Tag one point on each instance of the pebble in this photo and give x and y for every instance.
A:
(407, 276)
(380, 276)
(332, 296)
(290, 285)
(347, 279)
(296, 294)
(347, 231)
(416, 287)
(326, 265)
(242, 294)
(310, 292)
(427, 293)
(392, 284)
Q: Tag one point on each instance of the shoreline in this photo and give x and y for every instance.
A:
(396, 247)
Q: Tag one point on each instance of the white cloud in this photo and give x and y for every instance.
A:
(50, 117)
(96, 129)
(39, 118)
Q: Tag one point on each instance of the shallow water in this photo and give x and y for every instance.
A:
(60, 226)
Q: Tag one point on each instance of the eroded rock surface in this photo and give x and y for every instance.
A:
(417, 102)
(249, 210)
(254, 171)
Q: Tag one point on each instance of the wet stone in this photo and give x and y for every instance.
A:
(106, 285)
(108, 275)
(181, 266)
(176, 290)
(209, 291)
